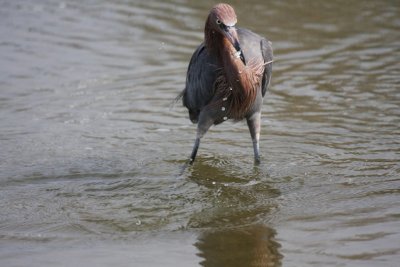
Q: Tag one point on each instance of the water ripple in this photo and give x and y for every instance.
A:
(91, 147)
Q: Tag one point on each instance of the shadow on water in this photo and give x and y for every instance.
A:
(234, 224)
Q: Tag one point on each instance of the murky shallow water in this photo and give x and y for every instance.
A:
(91, 150)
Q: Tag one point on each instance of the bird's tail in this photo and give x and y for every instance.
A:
(176, 99)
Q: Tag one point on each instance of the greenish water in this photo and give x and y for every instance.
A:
(90, 150)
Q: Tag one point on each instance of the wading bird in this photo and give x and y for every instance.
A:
(227, 77)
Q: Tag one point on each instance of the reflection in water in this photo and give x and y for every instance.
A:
(89, 147)
(232, 196)
(237, 197)
(248, 246)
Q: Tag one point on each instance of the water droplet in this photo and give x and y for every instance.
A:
(237, 54)
(162, 47)
(225, 118)
(223, 108)
(224, 99)
(230, 88)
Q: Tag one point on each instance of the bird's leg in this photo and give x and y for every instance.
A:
(205, 122)
(195, 148)
(254, 123)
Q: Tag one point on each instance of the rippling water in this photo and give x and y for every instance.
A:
(91, 150)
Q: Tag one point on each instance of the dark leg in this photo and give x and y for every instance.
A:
(195, 148)
(205, 122)
(254, 123)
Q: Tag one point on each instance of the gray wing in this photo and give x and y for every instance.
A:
(266, 50)
(255, 46)
(200, 79)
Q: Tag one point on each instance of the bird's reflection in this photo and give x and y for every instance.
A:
(236, 204)
(245, 246)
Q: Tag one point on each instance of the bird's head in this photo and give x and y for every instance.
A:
(222, 19)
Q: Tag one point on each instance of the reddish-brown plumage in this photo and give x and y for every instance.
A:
(225, 14)
(236, 81)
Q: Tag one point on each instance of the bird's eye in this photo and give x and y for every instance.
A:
(218, 21)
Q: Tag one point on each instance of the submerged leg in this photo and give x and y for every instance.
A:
(254, 123)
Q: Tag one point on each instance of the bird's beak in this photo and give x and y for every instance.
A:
(231, 34)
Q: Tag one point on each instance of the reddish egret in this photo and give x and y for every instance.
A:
(228, 76)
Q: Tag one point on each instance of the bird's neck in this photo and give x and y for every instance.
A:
(233, 65)
(243, 80)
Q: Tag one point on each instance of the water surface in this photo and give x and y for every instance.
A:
(91, 150)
